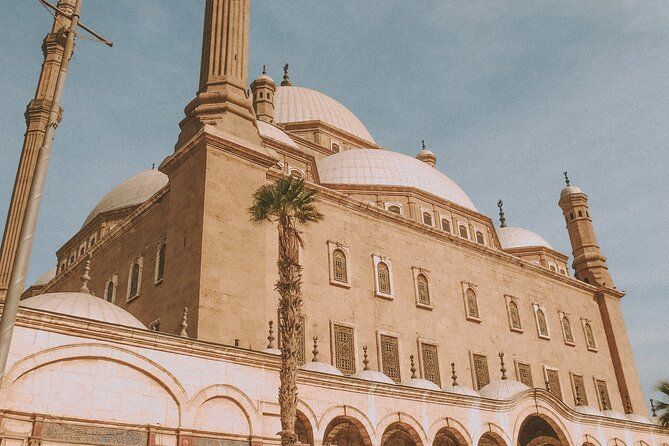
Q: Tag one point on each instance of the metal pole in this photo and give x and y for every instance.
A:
(24, 250)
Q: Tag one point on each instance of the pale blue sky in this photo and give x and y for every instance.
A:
(507, 94)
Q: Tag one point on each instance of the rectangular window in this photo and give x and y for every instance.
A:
(553, 380)
(344, 348)
(579, 389)
(390, 356)
(524, 373)
(481, 373)
(430, 361)
(603, 394)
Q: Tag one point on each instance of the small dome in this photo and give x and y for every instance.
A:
(570, 190)
(386, 168)
(461, 390)
(374, 375)
(263, 77)
(613, 414)
(420, 383)
(133, 191)
(512, 237)
(84, 306)
(503, 389)
(273, 132)
(297, 104)
(45, 278)
(638, 418)
(587, 410)
(322, 367)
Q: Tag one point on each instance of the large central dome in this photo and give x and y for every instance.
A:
(297, 104)
(386, 168)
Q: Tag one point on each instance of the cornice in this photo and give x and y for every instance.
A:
(316, 124)
(538, 249)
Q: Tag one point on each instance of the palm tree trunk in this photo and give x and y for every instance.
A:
(289, 287)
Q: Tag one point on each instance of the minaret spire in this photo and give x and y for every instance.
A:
(222, 99)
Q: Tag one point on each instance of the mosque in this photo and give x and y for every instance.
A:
(425, 323)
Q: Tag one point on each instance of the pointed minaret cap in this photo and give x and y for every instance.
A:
(569, 189)
(426, 156)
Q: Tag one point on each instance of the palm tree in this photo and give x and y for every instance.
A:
(661, 406)
(290, 204)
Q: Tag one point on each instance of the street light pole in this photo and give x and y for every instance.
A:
(26, 237)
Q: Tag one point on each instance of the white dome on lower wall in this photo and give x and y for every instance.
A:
(83, 305)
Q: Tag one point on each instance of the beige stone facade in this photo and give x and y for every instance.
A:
(406, 285)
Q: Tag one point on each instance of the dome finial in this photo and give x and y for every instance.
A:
(422, 144)
(566, 177)
(413, 367)
(286, 80)
(315, 350)
(85, 277)
(502, 220)
(184, 323)
(453, 375)
(270, 338)
(502, 369)
(365, 360)
(264, 69)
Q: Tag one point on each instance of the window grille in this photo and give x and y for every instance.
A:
(383, 273)
(589, 336)
(603, 392)
(427, 218)
(109, 291)
(445, 225)
(479, 238)
(472, 304)
(430, 359)
(481, 372)
(463, 231)
(579, 387)
(541, 323)
(134, 279)
(525, 374)
(423, 289)
(514, 315)
(395, 209)
(339, 265)
(344, 349)
(554, 383)
(566, 328)
(390, 357)
(160, 263)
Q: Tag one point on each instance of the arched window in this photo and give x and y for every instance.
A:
(566, 329)
(589, 336)
(514, 315)
(395, 209)
(160, 262)
(552, 268)
(479, 237)
(296, 173)
(427, 218)
(423, 289)
(335, 147)
(463, 231)
(472, 304)
(261, 95)
(339, 272)
(383, 277)
(445, 225)
(580, 213)
(541, 323)
(134, 279)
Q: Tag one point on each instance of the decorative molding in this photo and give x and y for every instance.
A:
(93, 435)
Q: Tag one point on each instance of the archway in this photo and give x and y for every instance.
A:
(303, 429)
(346, 431)
(400, 434)
(449, 437)
(491, 439)
(537, 430)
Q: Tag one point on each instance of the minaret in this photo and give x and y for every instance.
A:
(589, 264)
(262, 89)
(37, 115)
(222, 99)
